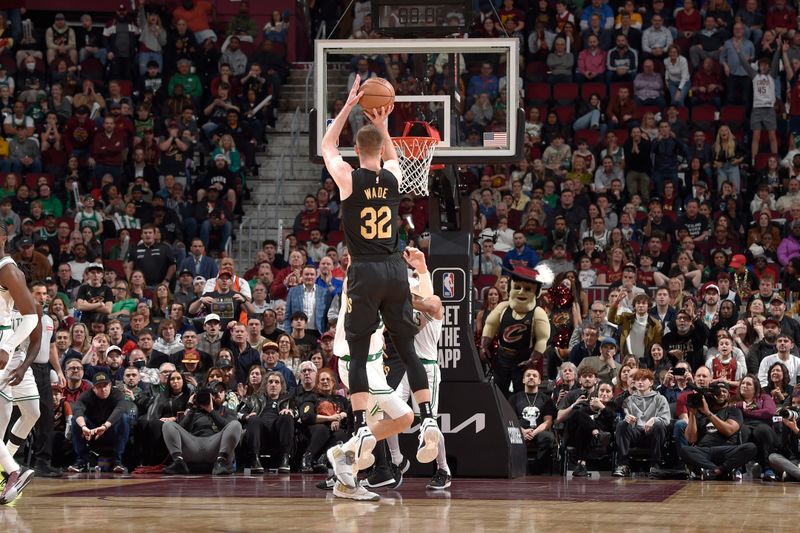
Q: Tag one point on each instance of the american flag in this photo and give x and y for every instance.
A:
(495, 138)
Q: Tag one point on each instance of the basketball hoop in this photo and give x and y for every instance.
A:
(415, 151)
(415, 155)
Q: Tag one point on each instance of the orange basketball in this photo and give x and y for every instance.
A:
(378, 93)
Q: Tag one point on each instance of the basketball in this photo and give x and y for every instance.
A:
(378, 93)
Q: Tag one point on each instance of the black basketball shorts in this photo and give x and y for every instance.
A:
(378, 284)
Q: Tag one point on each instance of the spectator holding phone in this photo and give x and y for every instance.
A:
(674, 382)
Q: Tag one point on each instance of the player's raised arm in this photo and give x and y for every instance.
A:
(379, 117)
(416, 260)
(338, 168)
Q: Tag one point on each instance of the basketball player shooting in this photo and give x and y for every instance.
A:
(377, 278)
(19, 325)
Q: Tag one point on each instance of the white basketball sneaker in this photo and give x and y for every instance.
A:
(361, 444)
(359, 493)
(429, 437)
(342, 463)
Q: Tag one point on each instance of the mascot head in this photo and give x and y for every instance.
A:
(526, 284)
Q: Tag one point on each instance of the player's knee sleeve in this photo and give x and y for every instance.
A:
(417, 377)
(359, 351)
(5, 415)
(29, 414)
(29, 410)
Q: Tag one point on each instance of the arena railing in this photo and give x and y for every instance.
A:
(254, 228)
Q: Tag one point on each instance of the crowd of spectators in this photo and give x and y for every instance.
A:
(177, 374)
(672, 224)
(125, 151)
(661, 184)
(147, 116)
(676, 249)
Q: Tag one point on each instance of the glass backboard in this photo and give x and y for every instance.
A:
(468, 89)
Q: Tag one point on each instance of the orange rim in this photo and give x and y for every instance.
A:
(414, 147)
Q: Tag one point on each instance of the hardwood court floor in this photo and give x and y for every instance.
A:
(292, 503)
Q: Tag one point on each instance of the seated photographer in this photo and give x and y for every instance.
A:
(207, 433)
(758, 408)
(591, 426)
(645, 424)
(787, 467)
(712, 432)
(273, 424)
(535, 411)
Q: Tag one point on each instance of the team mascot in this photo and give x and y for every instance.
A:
(521, 326)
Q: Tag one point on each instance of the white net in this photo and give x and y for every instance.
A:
(415, 155)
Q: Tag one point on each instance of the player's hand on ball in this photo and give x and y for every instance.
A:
(355, 95)
(379, 115)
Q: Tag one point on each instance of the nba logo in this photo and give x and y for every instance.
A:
(448, 285)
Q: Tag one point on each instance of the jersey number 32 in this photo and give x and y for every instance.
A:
(376, 223)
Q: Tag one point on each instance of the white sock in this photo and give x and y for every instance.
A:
(441, 458)
(394, 449)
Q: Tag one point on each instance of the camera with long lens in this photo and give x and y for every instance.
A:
(695, 400)
(202, 397)
(789, 413)
(710, 393)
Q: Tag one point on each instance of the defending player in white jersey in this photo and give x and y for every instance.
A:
(382, 399)
(381, 396)
(428, 315)
(20, 329)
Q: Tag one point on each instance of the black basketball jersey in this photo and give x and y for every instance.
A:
(515, 334)
(369, 214)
